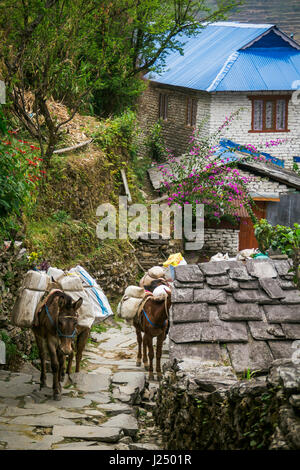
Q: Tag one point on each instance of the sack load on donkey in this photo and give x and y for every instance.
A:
(59, 310)
(147, 309)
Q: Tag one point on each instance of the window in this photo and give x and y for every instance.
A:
(191, 112)
(163, 106)
(269, 113)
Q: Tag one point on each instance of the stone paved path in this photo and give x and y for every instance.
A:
(107, 405)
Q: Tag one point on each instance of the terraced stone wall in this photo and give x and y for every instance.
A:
(209, 408)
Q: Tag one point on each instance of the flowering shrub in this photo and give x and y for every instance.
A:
(20, 173)
(207, 175)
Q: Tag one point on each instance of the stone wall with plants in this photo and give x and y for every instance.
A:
(208, 408)
(19, 342)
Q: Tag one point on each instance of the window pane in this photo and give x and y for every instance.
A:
(258, 115)
(280, 114)
(270, 115)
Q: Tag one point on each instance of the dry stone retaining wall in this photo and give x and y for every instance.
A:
(208, 408)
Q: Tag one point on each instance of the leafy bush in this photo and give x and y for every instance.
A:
(155, 143)
(20, 173)
(282, 238)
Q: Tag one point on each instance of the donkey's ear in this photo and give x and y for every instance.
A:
(77, 304)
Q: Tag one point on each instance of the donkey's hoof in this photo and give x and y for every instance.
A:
(57, 396)
(146, 366)
(159, 376)
(151, 376)
(138, 363)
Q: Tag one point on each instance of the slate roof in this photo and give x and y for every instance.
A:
(231, 56)
(246, 314)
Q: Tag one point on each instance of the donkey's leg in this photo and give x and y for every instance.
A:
(139, 341)
(62, 366)
(81, 342)
(151, 356)
(159, 344)
(145, 357)
(69, 366)
(55, 370)
(42, 354)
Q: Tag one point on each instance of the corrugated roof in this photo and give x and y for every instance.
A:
(234, 57)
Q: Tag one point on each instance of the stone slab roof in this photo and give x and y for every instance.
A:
(241, 313)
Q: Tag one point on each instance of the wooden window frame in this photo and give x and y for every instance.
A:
(163, 102)
(191, 112)
(264, 99)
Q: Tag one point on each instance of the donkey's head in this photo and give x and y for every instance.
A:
(66, 321)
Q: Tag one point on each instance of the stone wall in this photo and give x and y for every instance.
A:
(221, 240)
(214, 108)
(154, 252)
(175, 131)
(19, 341)
(209, 408)
(225, 103)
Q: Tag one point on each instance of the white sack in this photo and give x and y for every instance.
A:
(36, 280)
(99, 302)
(134, 291)
(128, 307)
(25, 307)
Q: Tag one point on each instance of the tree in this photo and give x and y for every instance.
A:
(68, 49)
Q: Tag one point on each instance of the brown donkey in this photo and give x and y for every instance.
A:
(153, 321)
(55, 327)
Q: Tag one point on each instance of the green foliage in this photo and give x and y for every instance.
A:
(19, 174)
(282, 238)
(155, 144)
(99, 328)
(296, 168)
(201, 176)
(264, 233)
(116, 132)
(61, 216)
(10, 347)
(90, 54)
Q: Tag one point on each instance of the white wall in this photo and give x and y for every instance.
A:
(225, 103)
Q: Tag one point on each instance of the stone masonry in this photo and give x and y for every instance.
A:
(106, 406)
(233, 379)
(212, 110)
(244, 313)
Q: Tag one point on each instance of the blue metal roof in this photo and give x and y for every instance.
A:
(229, 56)
(227, 151)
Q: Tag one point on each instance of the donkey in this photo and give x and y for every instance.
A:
(55, 326)
(153, 321)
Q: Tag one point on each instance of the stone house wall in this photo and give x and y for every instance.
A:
(225, 103)
(212, 110)
(175, 131)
